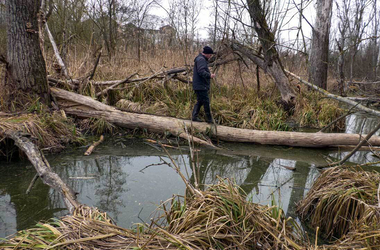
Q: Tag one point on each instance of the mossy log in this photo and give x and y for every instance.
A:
(86, 107)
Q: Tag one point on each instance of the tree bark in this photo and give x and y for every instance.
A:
(272, 61)
(320, 44)
(27, 70)
(81, 106)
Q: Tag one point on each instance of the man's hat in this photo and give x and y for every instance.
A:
(208, 50)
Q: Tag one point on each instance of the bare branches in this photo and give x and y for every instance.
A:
(115, 85)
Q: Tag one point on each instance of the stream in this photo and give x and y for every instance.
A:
(129, 178)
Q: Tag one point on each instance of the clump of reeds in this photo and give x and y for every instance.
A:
(221, 218)
(315, 110)
(342, 200)
(218, 218)
(97, 126)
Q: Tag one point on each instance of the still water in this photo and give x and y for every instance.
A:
(129, 178)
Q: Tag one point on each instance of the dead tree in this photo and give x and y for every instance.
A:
(320, 44)
(343, 16)
(272, 62)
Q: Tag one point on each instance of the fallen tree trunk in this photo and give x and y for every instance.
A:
(86, 107)
(43, 168)
(336, 97)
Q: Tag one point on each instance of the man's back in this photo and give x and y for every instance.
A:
(201, 73)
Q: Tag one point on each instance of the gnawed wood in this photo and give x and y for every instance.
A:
(94, 145)
(89, 108)
(43, 169)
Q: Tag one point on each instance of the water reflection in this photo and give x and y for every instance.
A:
(359, 124)
(130, 181)
(17, 209)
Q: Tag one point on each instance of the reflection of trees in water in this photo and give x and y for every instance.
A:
(359, 124)
(275, 184)
(110, 187)
(107, 183)
(8, 221)
(27, 209)
(213, 165)
(255, 175)
(260, 178)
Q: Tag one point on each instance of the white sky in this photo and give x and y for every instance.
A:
(206, 18)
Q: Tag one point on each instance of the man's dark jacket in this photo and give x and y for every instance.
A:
(201, 75)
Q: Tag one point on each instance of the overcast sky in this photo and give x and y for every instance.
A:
(289, 33)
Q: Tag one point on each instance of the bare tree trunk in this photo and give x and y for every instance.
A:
(320, 44)
(215, 24)
(375, 39)
(272, 61)
(27, 70)
(341, 69)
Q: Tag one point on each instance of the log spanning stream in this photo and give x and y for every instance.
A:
(128, 179)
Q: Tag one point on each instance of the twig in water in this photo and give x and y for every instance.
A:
(32, 183)
(92, 147)
(192, 158)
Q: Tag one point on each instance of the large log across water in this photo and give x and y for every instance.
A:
(82, 106)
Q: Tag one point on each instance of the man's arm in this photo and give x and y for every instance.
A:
(202, 69)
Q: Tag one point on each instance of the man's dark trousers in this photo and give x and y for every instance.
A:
(202, 100)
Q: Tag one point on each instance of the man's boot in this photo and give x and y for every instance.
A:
(209, 118)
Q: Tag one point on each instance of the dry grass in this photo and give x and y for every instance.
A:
(49, 130)
(343, 201)
(219, 218)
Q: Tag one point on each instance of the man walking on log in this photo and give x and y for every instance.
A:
(201, 84)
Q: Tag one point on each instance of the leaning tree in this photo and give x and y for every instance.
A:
(26, 76)
(271, 61)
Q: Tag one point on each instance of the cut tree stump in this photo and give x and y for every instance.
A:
(86, 107)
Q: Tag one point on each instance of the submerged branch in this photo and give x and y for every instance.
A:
(43, 169)
(94, 145)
